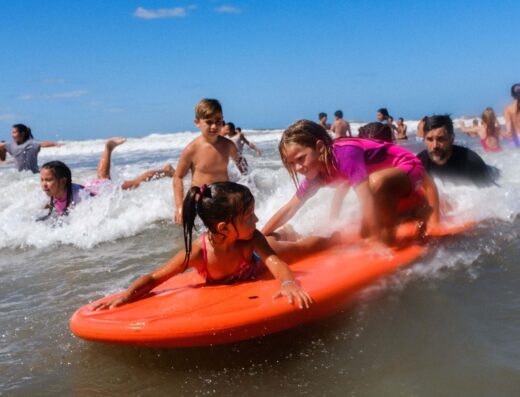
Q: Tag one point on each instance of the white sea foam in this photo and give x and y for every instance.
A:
(116, 213)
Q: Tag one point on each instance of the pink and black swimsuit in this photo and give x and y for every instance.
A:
(246, 270)
(354, 159)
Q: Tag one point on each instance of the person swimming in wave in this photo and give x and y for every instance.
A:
(24, 148)
(512, 118)
(384, 175)
(232, 250)
(444, 160)
(488, 131)
(56, 181)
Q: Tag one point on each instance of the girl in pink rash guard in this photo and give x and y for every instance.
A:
(382, 174)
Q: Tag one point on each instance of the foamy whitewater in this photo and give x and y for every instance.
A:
(451, 319)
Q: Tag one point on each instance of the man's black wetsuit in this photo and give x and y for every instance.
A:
(464, 166)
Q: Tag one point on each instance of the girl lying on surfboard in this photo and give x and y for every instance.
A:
(383, 175)
(232, 250)
(56, 181)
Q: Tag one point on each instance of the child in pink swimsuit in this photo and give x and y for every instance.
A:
(383, 175)
(232, 248)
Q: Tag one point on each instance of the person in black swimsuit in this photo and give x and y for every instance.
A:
(451, 162)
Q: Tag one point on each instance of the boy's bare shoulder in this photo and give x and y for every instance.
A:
(192, 146)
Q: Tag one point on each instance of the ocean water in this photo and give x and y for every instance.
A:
(449, 325)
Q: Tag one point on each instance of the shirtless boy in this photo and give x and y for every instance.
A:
(340, 127)
(323, 121)
(207, 156)
(401, 129)
(512, 118)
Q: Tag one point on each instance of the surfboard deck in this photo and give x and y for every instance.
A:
(184, 312)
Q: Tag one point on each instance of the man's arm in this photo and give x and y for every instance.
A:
(250, 144)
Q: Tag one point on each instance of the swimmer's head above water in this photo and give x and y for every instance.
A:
(21, 133)
(439, 137)
(315, 142)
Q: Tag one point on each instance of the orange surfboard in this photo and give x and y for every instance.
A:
(184, 312)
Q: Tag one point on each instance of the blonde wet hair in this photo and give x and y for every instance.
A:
(490, 119)
(207, 108)
(306, 133)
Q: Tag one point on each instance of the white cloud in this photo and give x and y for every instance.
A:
(68, 94)
(53, 81)
(10, 117)
(175, 12)
(26, 97)
(228, 10)
(56, 95)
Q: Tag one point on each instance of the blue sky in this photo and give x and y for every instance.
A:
(92, 69)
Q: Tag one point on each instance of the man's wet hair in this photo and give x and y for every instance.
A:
(438, 121)
(384, 112)
(338, 113)
(322, 115)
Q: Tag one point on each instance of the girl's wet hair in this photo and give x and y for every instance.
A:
(490, 119)
(214, 203)
(376, 130)
(305, 133)
(60, 170)
(24, 131)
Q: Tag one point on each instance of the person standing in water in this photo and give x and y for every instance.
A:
(488, 131)
(340, 127)
(512, 118)
(238, 138)
(401, 129)
(207, 156)
(323, 121)
(24, 148)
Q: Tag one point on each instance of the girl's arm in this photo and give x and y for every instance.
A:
(148, 282)
(283, 215)
(50, 144)
(337, 200)
(432, 197)
(471, 131)
(281, 271)
(2, 151)
(508, 132)
(369, 220)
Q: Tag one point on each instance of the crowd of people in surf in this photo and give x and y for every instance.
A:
(392, 184)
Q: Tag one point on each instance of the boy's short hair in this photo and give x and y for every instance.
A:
(338, 113)
(438, 121)
(207, 108)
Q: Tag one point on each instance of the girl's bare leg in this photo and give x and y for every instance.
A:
(166, 171)
(103, 170)
(290, 251)
(388, 186)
